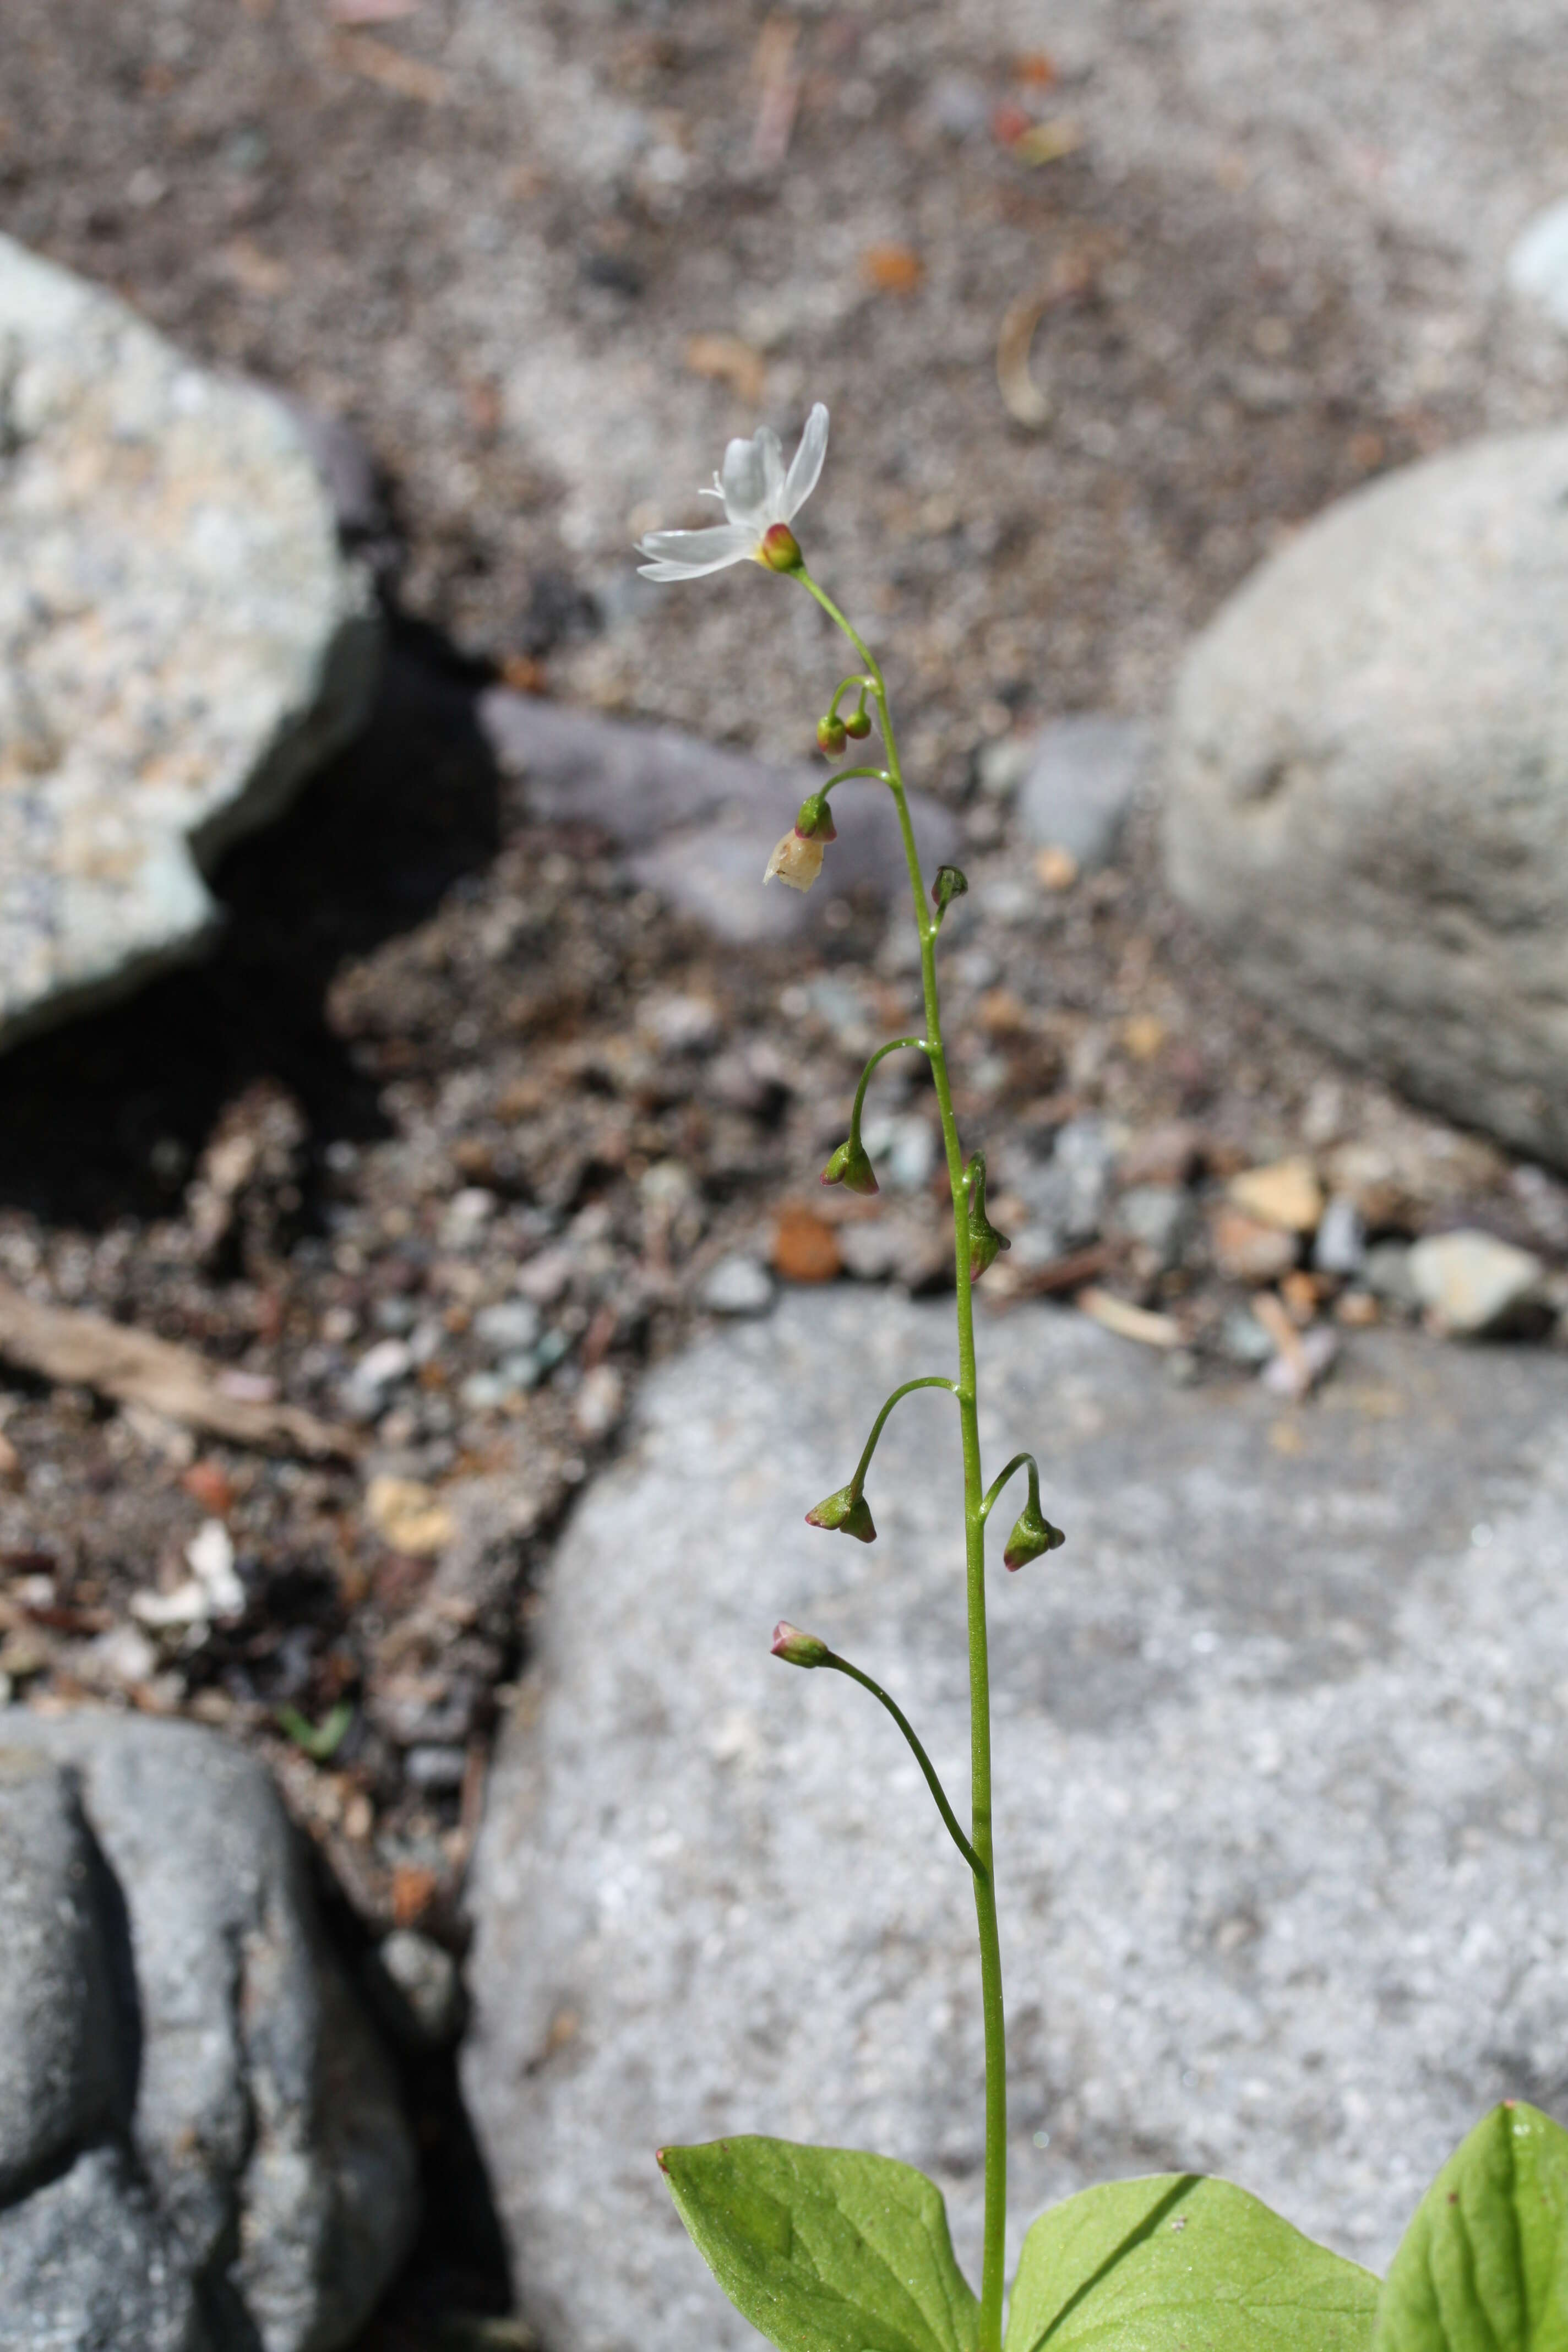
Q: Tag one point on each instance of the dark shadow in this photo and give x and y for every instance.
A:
(101, 1119)
(459, 2266)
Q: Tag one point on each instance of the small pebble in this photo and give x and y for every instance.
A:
(425, 1975)
(1471, 1283)
(1386, 1273)
(1286, 1194)
(1341, 1244)
(736, 1285)
(507, 1327)
(434, 1769)
(599, 1403)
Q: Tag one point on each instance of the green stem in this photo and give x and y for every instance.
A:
(995, 1489)
(894, 1045)
(927, 1380)
(843, 1666)
(992, 2275)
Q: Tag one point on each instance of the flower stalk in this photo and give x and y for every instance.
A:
(761, 501)
(964, 1389)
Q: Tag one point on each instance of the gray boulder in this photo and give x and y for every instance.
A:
(180, 640)
(183, 2016)
(1082, 778)
(63, 2080)
(697, 823)
(88, 2265)
(1280, 1857)
(1369, 784)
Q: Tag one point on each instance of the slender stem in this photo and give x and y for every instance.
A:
(927, 1380)
(843, 1666)
(894, 1045)
(994, 1488)
(843, 688)
(847, 776)
(992, 2275)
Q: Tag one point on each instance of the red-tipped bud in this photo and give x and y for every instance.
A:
(799, 1649)
(847, 1513)
(850, 1167)
(780, 549)
(984, 1241)
(832, 734)
(858, 724)
(1032, 1535)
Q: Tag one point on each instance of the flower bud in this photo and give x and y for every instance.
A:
(799, 1649)
(948, 885)
(851, 1167)
(796, 859)
(984, 1241)
(846, 1513)
(831, 735)
(858, 724)
(780, 549)
(1032, 1535)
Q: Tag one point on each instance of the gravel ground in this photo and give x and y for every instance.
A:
(446, 1062)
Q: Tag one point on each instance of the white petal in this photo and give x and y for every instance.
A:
(745, 480)
(767, 441)
(691, 554)
(806, 467)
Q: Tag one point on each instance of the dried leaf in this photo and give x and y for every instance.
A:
(892, 269)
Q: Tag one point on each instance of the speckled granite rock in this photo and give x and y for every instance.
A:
(204, 2105)
(1282, 1849)
(180, 640)
(1369, 783)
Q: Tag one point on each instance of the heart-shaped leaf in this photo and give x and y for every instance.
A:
(1178, 2263)
(1483, 2267)
(824, 2249)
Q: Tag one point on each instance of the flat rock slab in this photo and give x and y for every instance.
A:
(698, 822)
(1279, 1734)
(180, 640)
(193, 2103)
(1368, 801)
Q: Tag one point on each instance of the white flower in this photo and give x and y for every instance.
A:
(797, 859)
(758, 496)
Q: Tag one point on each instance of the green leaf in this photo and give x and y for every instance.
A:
(1483, 2267)
(824, 2249)
(1178, 2263)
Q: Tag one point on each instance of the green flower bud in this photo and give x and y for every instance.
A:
(850, 1167)
(950, 884)
(780, 549)
(846, 1513)
(858, 724)
(984, 1241)
(831, 735)
(1032, 1535)
(799, 1649)
(815, 821)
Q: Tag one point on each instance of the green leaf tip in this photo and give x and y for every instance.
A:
(825, 2249)
(1180, 2263)
(1485, 2260)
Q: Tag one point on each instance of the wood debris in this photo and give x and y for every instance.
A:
(1130, 1322)
(389, 68)
(135, 1368)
